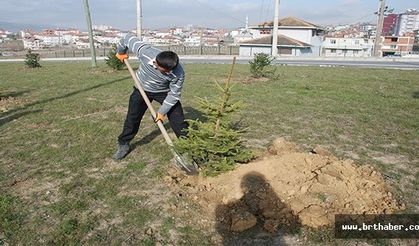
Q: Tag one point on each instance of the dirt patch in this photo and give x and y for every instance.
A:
(251, 80)
(288, 188)
(8, 102)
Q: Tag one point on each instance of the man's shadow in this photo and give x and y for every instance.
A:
(190, 114)
(258, 218)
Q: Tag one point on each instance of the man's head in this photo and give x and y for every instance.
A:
(166, 61)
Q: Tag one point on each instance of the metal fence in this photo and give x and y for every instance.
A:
(103, 52)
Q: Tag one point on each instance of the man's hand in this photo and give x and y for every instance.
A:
(159, 117)
(122, 57)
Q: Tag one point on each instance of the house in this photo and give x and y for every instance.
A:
(32, 43)
(347, 47)
(108, 39)
(49, 39)
(297, 38)
(82, 43)
(286, 46)
(391, 45)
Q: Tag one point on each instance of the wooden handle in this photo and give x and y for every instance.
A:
(147, 101)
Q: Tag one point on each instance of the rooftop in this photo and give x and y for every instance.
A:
(282, 41)
(290, 22)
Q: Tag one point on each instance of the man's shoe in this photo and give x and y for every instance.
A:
(122, 151)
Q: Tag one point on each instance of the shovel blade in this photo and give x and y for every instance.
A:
(191, 168)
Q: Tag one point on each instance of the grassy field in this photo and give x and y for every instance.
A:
(58, 129)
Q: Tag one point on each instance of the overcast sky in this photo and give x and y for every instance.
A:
(211, 13)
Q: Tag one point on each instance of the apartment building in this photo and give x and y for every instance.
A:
(391, 45)
(391, 24)
(347, 47)
(408, 22)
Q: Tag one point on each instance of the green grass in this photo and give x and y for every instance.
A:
(59, 123)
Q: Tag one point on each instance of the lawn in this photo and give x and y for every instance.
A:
(59, 123)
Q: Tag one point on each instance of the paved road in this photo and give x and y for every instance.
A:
(395, 63)
(382, 63)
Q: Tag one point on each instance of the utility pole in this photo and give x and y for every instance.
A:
(89, 28)
(275, 30)
(380, 25)
(139, 20)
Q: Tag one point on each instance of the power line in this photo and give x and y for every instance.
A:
(221, 12)
(268, 14)
(261, 11)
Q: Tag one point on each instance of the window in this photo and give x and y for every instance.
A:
(333, 41)
(393, 46)
(394, 39)
(356, 41)
(333, 51)
(285, 51)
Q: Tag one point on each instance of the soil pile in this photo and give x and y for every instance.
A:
(287, 188)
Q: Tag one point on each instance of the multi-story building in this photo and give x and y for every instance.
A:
(408, 22)
(347, 47)
(391, 45)
(390, 26)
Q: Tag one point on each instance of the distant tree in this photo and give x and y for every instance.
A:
(32, 59)
(259, 65)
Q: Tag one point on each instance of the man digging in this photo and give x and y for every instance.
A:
(161, 76)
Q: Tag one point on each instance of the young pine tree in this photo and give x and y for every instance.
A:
(32, 60)
(112, 61)
(259, 65)
(216, 145)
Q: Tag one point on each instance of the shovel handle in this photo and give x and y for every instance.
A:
(147, 101)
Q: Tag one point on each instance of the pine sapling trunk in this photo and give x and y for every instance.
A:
(226, 97)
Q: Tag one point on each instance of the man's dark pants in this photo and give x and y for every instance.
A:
(136, 109)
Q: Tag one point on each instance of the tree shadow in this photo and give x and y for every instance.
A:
(416, 94)
(12, 114)
(258, 218)
(194, 114)
(12, 94)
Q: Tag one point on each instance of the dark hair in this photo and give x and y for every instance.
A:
(167, 60)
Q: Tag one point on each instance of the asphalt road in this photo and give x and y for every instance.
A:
(407, 64)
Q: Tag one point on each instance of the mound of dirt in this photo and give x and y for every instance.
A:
(288, 188)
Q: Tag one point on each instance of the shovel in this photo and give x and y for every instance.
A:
(180, 161)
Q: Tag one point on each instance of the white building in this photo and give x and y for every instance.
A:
(50, 40)
(32, 43)
(299, 38)
(286, 46)
(408, 22)
(108, 39)
(82, 43)
(347, 47)
(192, 41)
(102, 27)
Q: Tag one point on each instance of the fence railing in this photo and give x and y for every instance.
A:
(103, 52)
